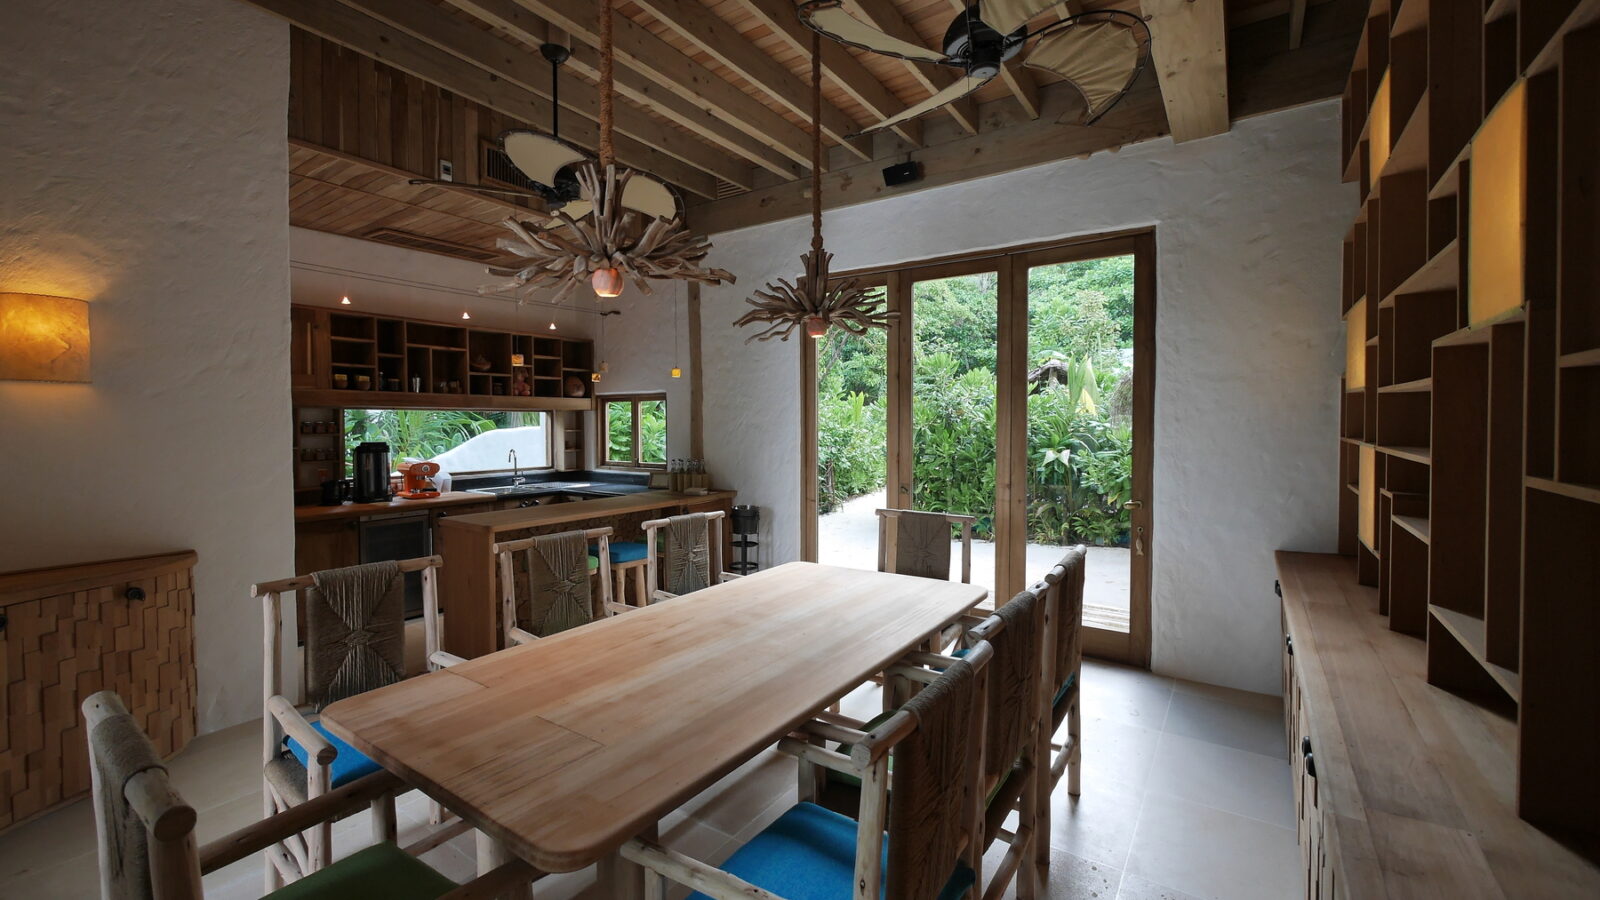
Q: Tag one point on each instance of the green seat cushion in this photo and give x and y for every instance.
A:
(380, 872)
(810, 854)
(594, 563)
(348, 765)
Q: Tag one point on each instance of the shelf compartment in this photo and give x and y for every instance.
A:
(1586, 492)
(1442, 272)
(1468, 632)
(1503, 505)
(1419, 320)
(1578, 425)
(1578, 276)
(1420, 385)
(1417, 525)
(1419, 455)
(1405, 559)
(1458, 496)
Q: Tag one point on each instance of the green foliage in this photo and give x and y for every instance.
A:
(419, 433)
(653, 431)
(619, 430)
(850, 449)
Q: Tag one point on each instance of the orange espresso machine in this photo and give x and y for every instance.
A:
(418, 480)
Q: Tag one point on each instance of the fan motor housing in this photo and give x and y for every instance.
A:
(982, 48)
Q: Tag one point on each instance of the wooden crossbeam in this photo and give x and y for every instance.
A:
(886, 18)
(1189, 45)
(716, 38)
(365, 35)
(837, 63)
(497, 56)
(662, 63)
(696, 117)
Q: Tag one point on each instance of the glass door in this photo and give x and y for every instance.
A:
(852, 414)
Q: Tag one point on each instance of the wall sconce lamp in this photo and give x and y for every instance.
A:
(43, 338)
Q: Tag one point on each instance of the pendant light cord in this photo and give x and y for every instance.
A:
(816, 141)
(607, 51)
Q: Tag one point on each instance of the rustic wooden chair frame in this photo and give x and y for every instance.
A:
(888, 539)
(298, 855)
(714, 520)
(177, 865)
(868, 760)
(1063, 585)
(505, 562)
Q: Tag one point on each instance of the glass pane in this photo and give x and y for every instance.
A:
(619, 431)
(955, 322)
(1080, 426)
(653, 431)
(458, 441)
(852, 450)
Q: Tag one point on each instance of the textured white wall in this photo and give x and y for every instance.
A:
(1247, 229)
(145, 172)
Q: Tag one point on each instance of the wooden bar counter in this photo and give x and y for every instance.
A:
(469, 590)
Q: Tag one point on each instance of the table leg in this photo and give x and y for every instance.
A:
(492, 854)
(621, 879)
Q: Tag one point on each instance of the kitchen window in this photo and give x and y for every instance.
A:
(461, 442)
(635, 428)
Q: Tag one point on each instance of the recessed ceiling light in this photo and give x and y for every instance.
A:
(344, 301)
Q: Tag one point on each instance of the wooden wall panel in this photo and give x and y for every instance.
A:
(71, 631)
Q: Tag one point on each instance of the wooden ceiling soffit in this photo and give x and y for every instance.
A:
(643, 52)
(365, 35)
(706, 31)
(887, 18)
(837, 64)
(1189, 47)
(426, 22)
(523, 25)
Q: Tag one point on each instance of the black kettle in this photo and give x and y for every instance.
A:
(372, 473)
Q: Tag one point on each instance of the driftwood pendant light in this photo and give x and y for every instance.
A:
(610, 244)
(811, 301)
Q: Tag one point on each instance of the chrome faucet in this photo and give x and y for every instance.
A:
(516, 470)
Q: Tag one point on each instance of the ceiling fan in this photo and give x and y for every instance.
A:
(551, 164)
(1098, 52)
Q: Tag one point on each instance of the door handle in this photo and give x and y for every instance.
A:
(1133, 504)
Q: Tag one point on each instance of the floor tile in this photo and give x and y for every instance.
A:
(1098, 824)
(1119, 752)
(1212, 854)
(1230, 724)
(1268, 702)
(1136, 888)
(731, 803)
(1074, 878)
(1125, 696)
(1236, 781)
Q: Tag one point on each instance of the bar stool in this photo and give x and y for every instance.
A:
(630, 557)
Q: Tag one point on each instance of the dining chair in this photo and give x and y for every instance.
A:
(912, 542)
(691, 545)
(544, 582)
(354, 641)
(920, 846)
(146, 837)
(1063, 588)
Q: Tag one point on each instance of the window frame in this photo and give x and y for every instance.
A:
(604, 437)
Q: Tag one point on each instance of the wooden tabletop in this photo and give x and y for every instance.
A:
(580, 510)
(565, 748)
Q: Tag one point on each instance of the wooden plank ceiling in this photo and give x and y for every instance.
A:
(714, 98)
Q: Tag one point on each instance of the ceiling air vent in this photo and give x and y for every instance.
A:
(441, 246)
(497, 167)
(726, 189)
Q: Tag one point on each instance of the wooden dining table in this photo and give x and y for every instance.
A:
(560, 751)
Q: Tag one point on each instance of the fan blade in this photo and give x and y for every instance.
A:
(650, 197)
(1100, 54)
(829, 18)
(539, 156)
(957, 89)
(577, 209)
(1006, 16)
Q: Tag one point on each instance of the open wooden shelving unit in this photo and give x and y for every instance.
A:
(1470, 419)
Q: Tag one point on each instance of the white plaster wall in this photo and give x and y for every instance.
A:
(145, 172)
(1247, 228)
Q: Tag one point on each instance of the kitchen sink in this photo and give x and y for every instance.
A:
(514, 490)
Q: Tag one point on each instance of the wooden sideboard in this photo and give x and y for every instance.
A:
(123, 625)
(1403, 789)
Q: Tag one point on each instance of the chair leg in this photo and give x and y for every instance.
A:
(385, 826)
(272, 879)
(1075, 752)
(640, 590)
(620, 584)
(493, 854)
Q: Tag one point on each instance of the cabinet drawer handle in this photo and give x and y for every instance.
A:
(1310, 758)
(136, 594)
(1288, 644)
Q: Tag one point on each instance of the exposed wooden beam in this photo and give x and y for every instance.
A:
(1297, 23)
(1017, 79)
(713, 36)
(497, 56)
(886, 18)
(523, 25)
(368, 36)
(837, 63)
(1189, 45)
(664, 64)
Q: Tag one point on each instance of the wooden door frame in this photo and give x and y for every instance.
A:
(1012, 265)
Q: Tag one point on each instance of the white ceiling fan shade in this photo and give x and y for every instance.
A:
(539, 156)
(1100, 58)
(1006, 16)
(650, 197)
(830, 18)
(957, 89)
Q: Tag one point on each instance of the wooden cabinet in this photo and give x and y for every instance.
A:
(68, 632)
(308, 347)
(326, 545)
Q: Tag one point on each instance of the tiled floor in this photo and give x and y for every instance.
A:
(1185, 795)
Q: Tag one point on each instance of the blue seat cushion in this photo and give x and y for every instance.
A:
(628, 551)
(1066, 688)
(349, 765)
(810, 854)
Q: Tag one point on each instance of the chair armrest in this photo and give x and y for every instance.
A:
(445, 660)
(691, 872)
(728, 576)
(258, 836)
(820, 756)
(661, 595)
(318, 748)
(619, 608)
(494, 882)
(519, 637)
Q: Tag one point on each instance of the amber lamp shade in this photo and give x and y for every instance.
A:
(607, 282)
(816, 326)
(43, 338)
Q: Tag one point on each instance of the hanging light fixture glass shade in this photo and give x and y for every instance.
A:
(813, 300)
(606, 282)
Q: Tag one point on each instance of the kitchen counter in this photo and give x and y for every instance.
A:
(579, 510)
(304, 514)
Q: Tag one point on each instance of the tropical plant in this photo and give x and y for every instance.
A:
(418, 433)
(653, 431)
